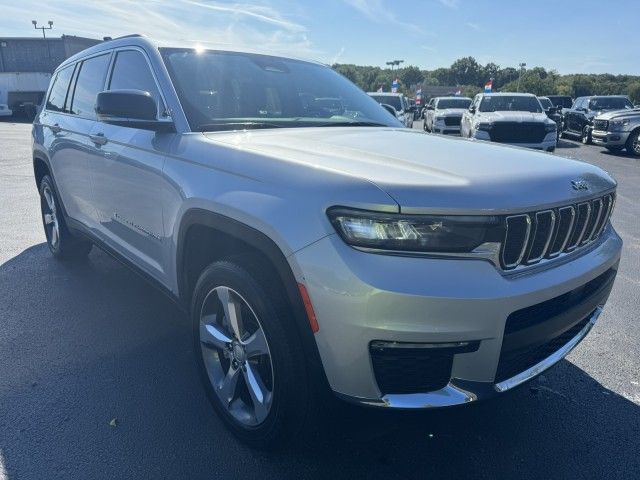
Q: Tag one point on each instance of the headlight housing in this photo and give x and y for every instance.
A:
(617, 125)
(484, 126)
(414, 233)
(439, 119)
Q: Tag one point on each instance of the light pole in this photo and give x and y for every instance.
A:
(393, 63)
(521, 65)
(35, 25)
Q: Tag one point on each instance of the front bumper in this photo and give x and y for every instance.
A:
(360, 298)
(609, 139)
(548, 143)
(442, 128)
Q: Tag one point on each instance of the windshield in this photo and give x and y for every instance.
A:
(230, 91)
(393, 100)
(609, 103)
(506, 103)
(454, 103)
(546, 103)
(560, 101)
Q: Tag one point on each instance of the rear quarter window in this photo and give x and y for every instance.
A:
(59, 89)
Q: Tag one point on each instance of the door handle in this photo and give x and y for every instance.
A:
(98, 139)
(55, 128)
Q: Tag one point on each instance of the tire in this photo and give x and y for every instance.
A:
(633, 143)
(586, 135)
(276, 368)
(61, 242)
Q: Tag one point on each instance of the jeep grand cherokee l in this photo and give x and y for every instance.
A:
(513, 118)
(316, 251)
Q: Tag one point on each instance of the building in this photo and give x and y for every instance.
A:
(26, 65)
(35, 54)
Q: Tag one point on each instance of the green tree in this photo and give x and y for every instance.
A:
(634, 92)
(466, 71)
(411, 76)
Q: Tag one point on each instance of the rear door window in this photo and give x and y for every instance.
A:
(131, 72)
(59, 89)
(89, 83)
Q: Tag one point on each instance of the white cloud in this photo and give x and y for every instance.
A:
(337, 56)
(450, 3)
(473, 26)
(376, 11)
(171, 22)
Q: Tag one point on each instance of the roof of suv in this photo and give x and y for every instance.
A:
(508, 94)
(143, 41)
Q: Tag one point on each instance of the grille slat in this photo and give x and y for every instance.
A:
(602, 125)
(531, 237)
(517, 132)
(452, 121)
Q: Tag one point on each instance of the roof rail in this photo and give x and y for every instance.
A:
(127, 36)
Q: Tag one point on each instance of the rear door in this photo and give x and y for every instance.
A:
(127, 173)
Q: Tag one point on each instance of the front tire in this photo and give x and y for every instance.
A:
(250, 361)
(61, 242)
(586, 135)
(633, 143)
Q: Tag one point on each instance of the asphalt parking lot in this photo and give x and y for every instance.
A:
(97, 378)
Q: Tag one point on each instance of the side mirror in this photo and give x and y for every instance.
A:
(431, 107)
(130, 108)
(472, 109)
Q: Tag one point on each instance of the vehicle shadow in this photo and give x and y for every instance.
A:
(563, 143)
(89, 344)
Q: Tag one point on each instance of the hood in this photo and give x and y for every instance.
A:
(617, 114)
(426, 173)
(511, 116)
(451, 112)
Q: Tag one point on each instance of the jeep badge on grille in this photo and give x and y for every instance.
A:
(579, 185)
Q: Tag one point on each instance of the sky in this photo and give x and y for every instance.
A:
(570, 36)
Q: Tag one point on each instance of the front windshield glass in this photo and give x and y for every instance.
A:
(454, 103)
(232, 91)
(507, 103)
(609, 103)
(393, 100)
(546, 103)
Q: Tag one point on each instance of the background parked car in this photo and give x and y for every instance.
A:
(562, 101)
(618, 130)
(513, 118)
(399, 102)
(578, 120)
(553, 112)
(443, 114)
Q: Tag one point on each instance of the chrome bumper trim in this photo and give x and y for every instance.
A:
(551, 359)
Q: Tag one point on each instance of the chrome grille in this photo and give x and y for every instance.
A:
(532, 237)
(602, 125)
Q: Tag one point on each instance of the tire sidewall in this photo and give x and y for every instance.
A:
(46, 182)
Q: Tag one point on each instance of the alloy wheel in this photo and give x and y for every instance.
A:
(236, 356)
(49, 215)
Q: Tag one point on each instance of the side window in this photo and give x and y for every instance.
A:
(131, 72)
(578, 104)
(89, 83)
(59, 88)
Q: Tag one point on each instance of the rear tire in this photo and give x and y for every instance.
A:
(277, 373)
(633, 143)
(61, 242)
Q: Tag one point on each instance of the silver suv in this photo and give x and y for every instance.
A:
(315, 251)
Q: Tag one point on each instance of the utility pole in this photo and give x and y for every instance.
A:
(35, 25)
(521, 65)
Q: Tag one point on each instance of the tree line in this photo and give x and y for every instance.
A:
(471, 76)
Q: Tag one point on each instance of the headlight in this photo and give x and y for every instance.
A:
(439, 119)
(414, 233)
(550, 127)
(617, 125)
(484, 126)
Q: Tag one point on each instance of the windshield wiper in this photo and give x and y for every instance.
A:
(223, 126)
(351, 124)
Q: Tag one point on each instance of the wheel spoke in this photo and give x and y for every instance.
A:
(231, 310)
(54, 235)
(258, 392)
(48, 196)
(211, 334)
(227, 388)
(256, 344)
